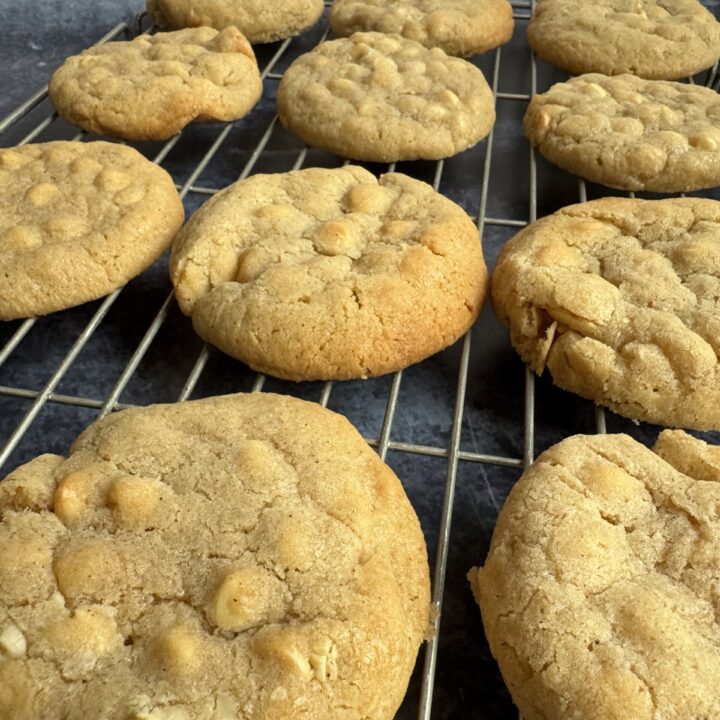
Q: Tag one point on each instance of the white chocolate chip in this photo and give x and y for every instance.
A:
(12, 641)
(225, 708)
(595, 90)
(148, 712)
(703, 141)
(278, 694)
(323, 661)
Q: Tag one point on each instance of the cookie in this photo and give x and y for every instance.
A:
(329, 274)
(655, 39)
(259, 21)
(151, 87)
(459, 27)
(77, 221)
(385, 98)
(630, 133)
(620, 300)
(246, 556)
(599, 595)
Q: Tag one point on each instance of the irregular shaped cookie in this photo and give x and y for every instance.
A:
(329, 274)
(655, 39)
(77, 221)
(258, 20)
(151, 87)
(599, 595)
(235, 557)
(384, 98)
(459, 27)
(630, 133)
(620, 299)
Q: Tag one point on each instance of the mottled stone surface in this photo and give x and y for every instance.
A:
(37, 35)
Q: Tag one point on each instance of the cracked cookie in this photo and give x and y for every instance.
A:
(620, 300)
(459, 27)
(655, 39)
(260, 21)
(151, 87)
(329, 274)
(630, 133)
(599, 595)
(246, 556)
(385, 98)
(77, 221)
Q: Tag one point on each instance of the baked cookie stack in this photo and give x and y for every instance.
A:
(573, 288)
(600, 582)
(241, 556)
(248, 556)
(622, 123)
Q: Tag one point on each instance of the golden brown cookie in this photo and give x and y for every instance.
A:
(151, 87)
(235, 557)
(620, 300)
(459, 27)
(77, 221)
(258, 20)
(329, 274)
(655, 39)
(599, 595)
(385, 98)
(630, 133)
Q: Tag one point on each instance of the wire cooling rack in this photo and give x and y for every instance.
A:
(457, 428)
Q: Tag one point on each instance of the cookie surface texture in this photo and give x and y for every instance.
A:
(459, 27)
(601, 581)
(260, 21)
(385, 98)
(630, 133)
(329, 274)
(151, 87)
(620, 299)
(234, 557)
(77, 221)
(654, 39)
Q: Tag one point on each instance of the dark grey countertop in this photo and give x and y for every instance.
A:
(37, 36)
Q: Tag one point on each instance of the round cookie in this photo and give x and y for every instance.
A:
(654, 39)
(260, 21)
(151, 87)
(599, 595)
(329, 274)
(234, 557)
(630, 133)
(77, 221)
(459, 27)
(620, 299)
(385, 98)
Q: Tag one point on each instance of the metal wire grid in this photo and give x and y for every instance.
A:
(111, 402)
(384, 442)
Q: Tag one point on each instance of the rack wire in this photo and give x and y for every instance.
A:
(451, 452)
